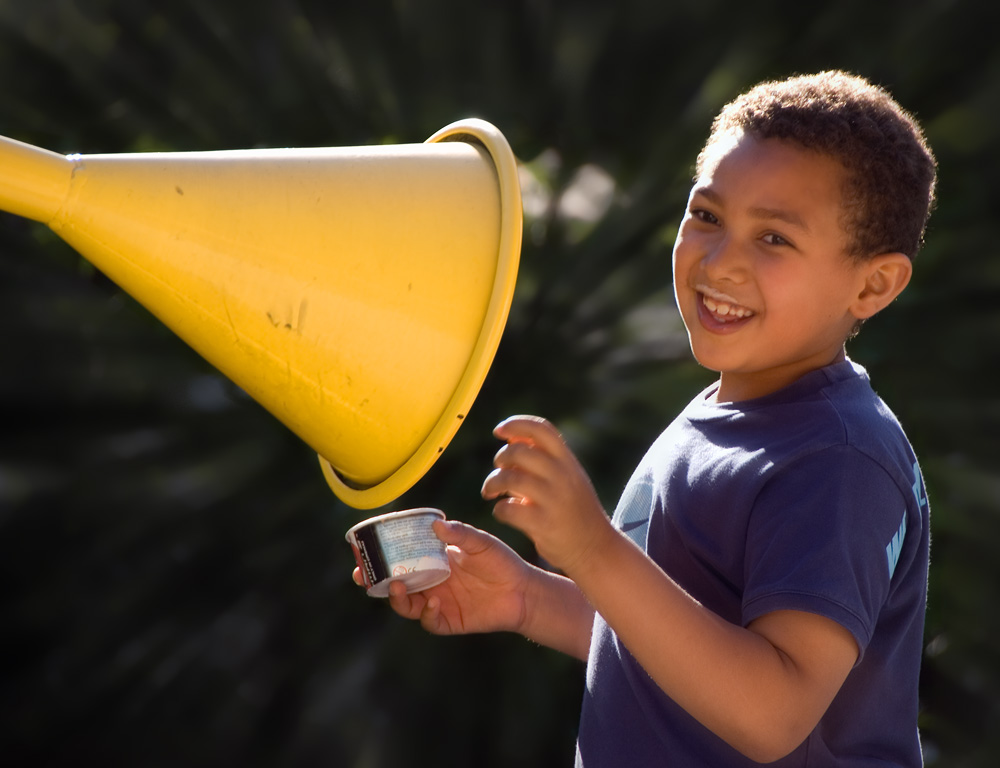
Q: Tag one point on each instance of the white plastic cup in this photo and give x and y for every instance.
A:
(400, 546)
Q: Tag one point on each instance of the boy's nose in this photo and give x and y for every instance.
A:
(725, 259)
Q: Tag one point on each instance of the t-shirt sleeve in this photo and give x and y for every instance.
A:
(816, 540)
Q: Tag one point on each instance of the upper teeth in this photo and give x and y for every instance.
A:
(725, 309)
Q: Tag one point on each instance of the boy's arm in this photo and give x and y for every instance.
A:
(760, 688)
(558, 615)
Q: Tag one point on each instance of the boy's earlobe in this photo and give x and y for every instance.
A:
(885, 277)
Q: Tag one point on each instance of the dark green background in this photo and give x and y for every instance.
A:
(174, 585)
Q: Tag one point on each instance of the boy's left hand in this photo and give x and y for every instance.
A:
(544, 492)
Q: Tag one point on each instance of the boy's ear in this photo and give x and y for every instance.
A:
(883, 278)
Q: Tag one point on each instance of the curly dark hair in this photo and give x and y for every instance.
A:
(891, 173)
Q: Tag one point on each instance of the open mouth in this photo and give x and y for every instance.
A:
(721, 308)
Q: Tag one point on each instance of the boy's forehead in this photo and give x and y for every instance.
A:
(775, 179)
(737, 155)
(719, 147)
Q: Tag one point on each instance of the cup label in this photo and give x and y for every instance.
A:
(408, 538)
(371, 560)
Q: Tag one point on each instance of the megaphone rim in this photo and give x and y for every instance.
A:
(508, 256)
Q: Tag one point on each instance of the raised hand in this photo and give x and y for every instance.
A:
(544, 492)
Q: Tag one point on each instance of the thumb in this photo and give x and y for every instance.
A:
(460, 535)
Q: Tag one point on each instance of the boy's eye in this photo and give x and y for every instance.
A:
(702, 215)
(772, 239)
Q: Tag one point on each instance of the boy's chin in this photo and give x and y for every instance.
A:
(708, 364)
(706, 359)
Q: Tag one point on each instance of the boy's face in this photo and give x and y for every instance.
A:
(761, 274)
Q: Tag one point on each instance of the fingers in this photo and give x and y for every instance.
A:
(431, 614)
(533, 454)
(514, 513)
(514, 484)
(406, 605)
(531, 429)
(416, 606)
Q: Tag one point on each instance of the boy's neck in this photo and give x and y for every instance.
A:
(737, 387)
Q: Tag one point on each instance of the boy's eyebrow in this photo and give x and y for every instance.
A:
(780, 214)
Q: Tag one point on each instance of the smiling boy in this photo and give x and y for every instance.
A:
(758, 594)
(761, 275)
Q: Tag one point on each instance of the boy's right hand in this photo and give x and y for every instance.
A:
(486, 591)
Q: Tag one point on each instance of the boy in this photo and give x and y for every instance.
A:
(758, 595)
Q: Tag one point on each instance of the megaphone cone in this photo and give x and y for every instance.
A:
(359, 294)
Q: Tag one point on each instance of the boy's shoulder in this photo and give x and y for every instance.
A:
(831, 407)
(838, 392)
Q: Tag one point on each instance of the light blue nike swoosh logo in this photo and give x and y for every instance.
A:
(632, 525)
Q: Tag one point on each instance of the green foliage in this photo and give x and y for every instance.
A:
(175, 585)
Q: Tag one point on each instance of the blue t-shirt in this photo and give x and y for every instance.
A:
(807, 499)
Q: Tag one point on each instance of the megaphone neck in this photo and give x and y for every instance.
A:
(33, 181)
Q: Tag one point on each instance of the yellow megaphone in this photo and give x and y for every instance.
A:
(359, 294)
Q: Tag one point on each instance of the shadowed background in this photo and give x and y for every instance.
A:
(174, 584)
